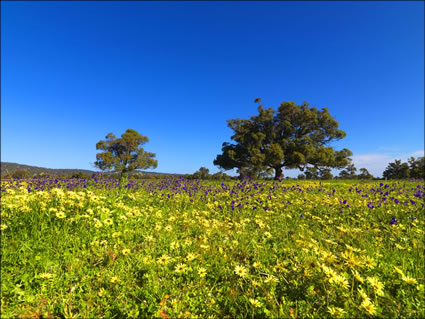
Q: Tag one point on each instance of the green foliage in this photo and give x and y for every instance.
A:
(417, 167)
(79, 175)
(204, 174)
(294, 136)
(311, 173)
(221, 176)
(364, 174)
(349, 172)
(124, 154)
(397, 170)
(325, 174)
(20, 173)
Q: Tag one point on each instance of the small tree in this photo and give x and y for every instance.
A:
(325, 174)
(311, 173)
(202, 173)
(124, 154)
(364, 174)
(417, 167)
(349, 172)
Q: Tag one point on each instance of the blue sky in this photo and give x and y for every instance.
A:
(71, 72)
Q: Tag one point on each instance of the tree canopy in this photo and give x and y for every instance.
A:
(124, 154)
(396, 170)
(415, 168)
(294, 136)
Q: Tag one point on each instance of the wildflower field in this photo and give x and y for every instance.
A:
(174, 248)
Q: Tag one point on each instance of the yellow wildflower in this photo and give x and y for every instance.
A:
(108, 221)
(125, 251)
(350, 259)
(190, 257)
(60, 215)
(202, 272)
(174, 245)
(241, 271)
(377, 285)
(46, 275)
(271, 279)
(255, 302)
(409, 280)
(256, 265)
(147, 259)
(335, 311)
(180, 268)
(368, 306)
(114, 280)
(369, 262)
(357, 276)
(363, 294)
(164, 259)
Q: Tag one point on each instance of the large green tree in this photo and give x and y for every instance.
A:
(124, 154)
(294, 136)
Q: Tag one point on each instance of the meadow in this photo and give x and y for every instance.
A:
(83, 248)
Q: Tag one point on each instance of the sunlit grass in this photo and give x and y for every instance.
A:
(179, 248)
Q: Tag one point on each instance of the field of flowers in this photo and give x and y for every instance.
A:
(188, 249)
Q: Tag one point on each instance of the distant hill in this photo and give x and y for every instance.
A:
(10, 167)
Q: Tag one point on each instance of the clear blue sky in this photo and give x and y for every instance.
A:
(71, 72)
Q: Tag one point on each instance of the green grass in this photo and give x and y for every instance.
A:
(142, 254)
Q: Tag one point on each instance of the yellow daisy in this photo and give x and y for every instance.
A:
(60, 215)
(202, 272)
(255, 302)
(180, 268)
(114, 280)
(126, 251)
(241, 271)
(409, 280)
(46, 275)
(368, 307)
(164, 259)
(108, 221)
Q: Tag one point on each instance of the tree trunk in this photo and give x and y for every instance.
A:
(278, 175)
(123, 179)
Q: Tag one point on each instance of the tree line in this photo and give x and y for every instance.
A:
(291, 137)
